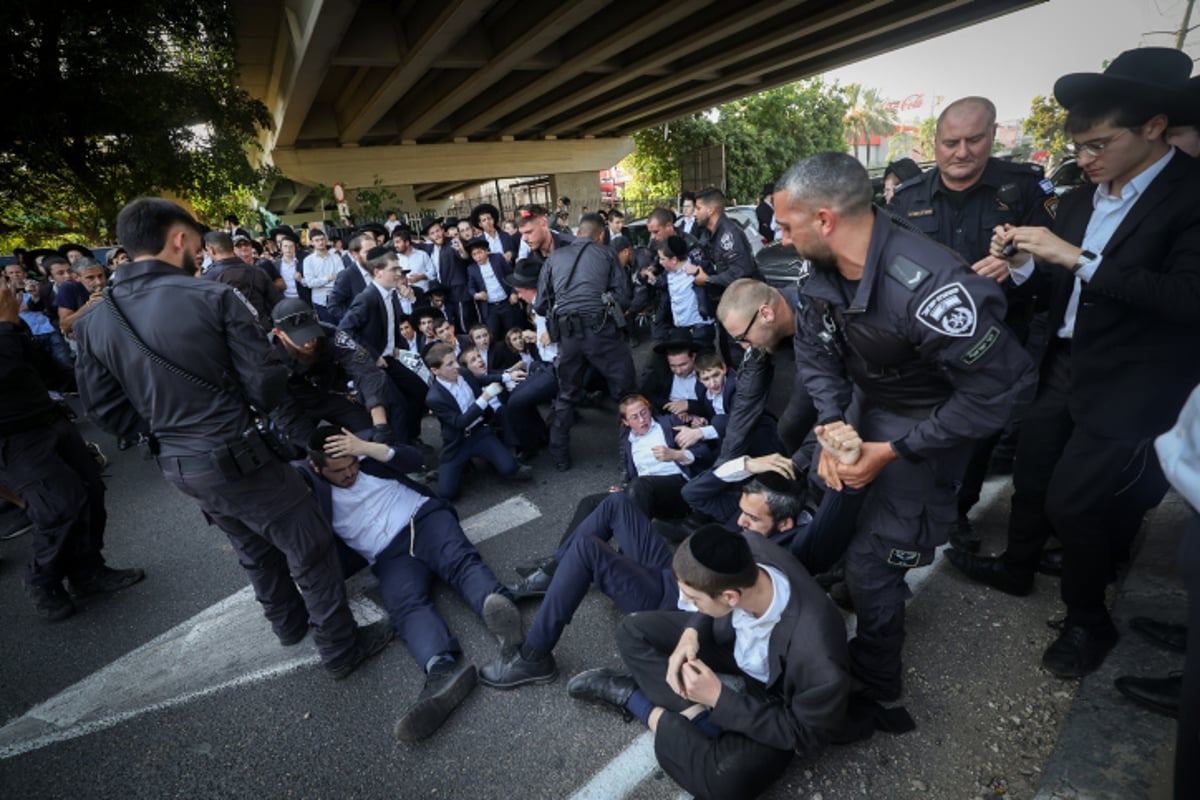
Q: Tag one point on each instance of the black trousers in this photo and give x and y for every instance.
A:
(733, 764)
(1187, 741)
(51, 469)
(603, 350)
(282, 541)
(406, 401)
(659, 496)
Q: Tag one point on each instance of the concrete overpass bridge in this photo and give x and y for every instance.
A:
(436, 98)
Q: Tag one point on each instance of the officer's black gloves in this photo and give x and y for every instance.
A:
(382, 434)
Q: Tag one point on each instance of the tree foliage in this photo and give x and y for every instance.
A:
(1046, 124)
(866, 116)
(763, 134)
(108, 101)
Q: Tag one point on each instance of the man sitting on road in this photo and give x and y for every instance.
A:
(761, 617)
(409, 538)
(638, 578)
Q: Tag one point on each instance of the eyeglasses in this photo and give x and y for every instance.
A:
(1095, 148)
(742, 339)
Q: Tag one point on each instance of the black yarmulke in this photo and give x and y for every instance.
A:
(717, 549)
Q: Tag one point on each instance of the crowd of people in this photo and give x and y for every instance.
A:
(282, 384)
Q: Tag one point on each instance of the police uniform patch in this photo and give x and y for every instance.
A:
(982, 346)
(949, 311)
(345, 341)
(904, 558)
(907, 272)
(1051, 205)
(727, 241)
(924, 212)
(1046, 185)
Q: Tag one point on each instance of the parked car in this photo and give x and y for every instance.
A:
(781, 266)
(1067, 176)
(743, 216)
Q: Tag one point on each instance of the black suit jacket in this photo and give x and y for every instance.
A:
(347, 286)
(808, 685)
(706, 409)
(1135, 355)
(454, 420)
(366, 322)
(656, 386)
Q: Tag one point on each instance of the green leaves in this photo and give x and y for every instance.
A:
(1045, 124)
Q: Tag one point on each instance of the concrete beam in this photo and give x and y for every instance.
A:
(297, 199)
(666, 92)
(519, 49)
(314, 30)
(359, 111)
(664, 16)
(443, 163)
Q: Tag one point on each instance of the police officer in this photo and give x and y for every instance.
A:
(727, 249)
(959, 203)
(323, 363)
(44, 461)
(583, 292)
(900, 323)
(186, 356)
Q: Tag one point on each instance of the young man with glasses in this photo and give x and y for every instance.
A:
(1122, 275)
(903, 325)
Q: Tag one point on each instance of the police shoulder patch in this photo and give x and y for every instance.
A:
(982, 346)
(907, 272)
(950, 311)
(1051, 206)
(345, 341)
(727, 241)
(1046, 185)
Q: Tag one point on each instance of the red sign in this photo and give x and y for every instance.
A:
(910, 103)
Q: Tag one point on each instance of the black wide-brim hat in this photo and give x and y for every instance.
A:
(485, 208)
(1154, 76)
(478, 243)
(678, 340)
(429, 223)
(284, 230)
(525, 274)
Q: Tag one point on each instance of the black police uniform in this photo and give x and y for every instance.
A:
(920, 347)
(320, 390)
(44, 461)
(964, 221)
(205, 441)
(571, 290)
(729, 258)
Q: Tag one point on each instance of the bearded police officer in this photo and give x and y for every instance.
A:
(187, 357)
(959, 203)
(582, 291)
(903, 327)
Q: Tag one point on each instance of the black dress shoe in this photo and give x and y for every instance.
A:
(106, 580)
(535, 584)
(524, 473)
(1164, 634)
(514, 671)
(562, 465)
(605, 687)
(50, 601)
(446, 686)
(1079, 650)
(1051, 561)
(368, 640)
(1157, 694)
(964, 537)
(994, 572)
(534, 566)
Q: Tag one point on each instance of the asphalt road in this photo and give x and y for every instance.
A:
(177, 688)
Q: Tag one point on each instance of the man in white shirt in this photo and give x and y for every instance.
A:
(760, 616)
(409, 539)
(420, 268)
(320, 270)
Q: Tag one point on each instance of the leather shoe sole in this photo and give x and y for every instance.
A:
(428, 713)
(1164, 634)
(503, 620)
(993, 572)
(1157, 694)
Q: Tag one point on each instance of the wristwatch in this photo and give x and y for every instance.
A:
(1085, 258)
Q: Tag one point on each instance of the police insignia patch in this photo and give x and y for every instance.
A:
(904, 558)
(1046, 185)
(949, 311)
(727, 241)
(345, 341)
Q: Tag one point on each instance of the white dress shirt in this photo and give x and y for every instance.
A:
(372, 512)
(752, 642)
(642, 447)
(319, 275)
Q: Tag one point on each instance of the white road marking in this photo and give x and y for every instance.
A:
(512, 513)
(636, 762)
(226, 645)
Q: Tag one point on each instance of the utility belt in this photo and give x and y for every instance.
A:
(245, 456)
(575, 326)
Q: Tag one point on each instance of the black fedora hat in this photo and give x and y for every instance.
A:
(1153, 76)
(677, 341)
(525, 274)
(426, 224)
(435, 288)
(485, 208)
(478, 243)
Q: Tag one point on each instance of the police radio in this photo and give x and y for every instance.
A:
(1010, 195)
